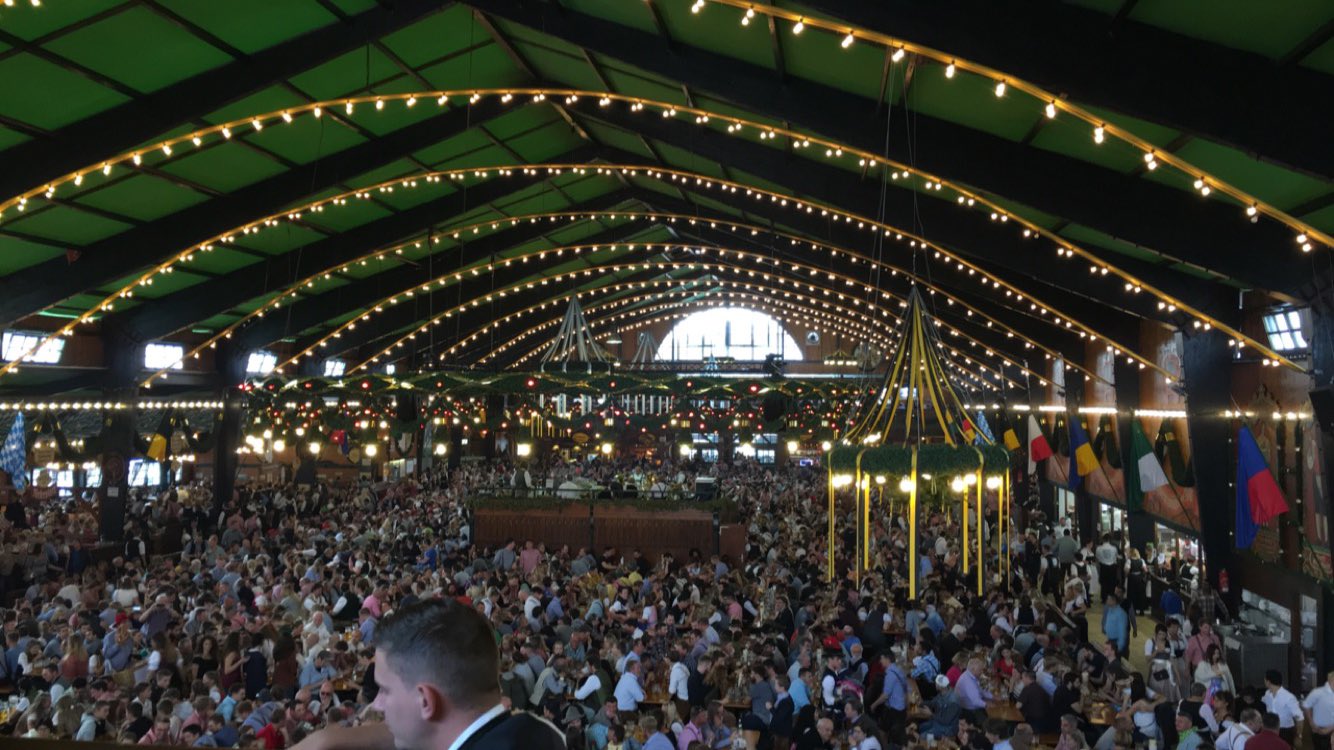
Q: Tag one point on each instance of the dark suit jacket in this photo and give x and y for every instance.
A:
(516, 730)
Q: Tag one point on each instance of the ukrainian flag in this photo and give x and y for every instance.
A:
(1082, 460)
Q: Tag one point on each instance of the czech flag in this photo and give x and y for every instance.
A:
(1258, 497)
(1038, 448)
(1082, 460)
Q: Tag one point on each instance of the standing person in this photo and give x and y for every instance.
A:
(1106, 555)
(1319, 706)
(436, 665)
(1280, 701)
(1137, 590)
(1115, 622)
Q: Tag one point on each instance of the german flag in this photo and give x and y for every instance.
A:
(157, 445)
(1008, 435)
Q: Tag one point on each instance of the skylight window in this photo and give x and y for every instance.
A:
(334, 368)
(163, 356)
(260, 363)
(21, 343)
(1285, 331)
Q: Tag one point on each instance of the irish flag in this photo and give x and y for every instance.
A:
(1149, 475)
(1038, 448)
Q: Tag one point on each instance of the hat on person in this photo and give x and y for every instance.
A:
(942, 681)
(958, 631)
(121, 617)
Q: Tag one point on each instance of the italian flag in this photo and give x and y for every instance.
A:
(1038, 448)
(1149, 473)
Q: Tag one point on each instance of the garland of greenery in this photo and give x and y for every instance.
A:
(932, 458)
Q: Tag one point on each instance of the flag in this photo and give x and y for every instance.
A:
(157, 445)
(1038, 449)
(1147, 474)
(1258, 497)
(1010, 439)
(14, 454)
(1082, 460)
(983, 427)
(966, 427)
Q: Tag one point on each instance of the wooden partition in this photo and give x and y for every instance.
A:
(600, 525)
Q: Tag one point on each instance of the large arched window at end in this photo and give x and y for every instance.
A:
(739, 333)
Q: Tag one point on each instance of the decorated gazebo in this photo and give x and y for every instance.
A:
(912, 433)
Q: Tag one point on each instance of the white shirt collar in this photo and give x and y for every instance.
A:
(477, 724)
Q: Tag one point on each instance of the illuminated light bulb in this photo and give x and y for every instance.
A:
(137, 159)
(314, 448)
(106, 170)
(279, 445)
(847, 40)
(379, 104)
(287, 117)
(907, 485)
(257, 124)
(949, 70)
(1099, 134)
(372, 449)
(800, 26)
(166, 149)
(898, 54)
(1051, 110)
(970, 479)
(317, 111)
(1000, 88)
(699, 5)
(993, 483)
(1199, 184)
(957, 484)
(440, 449)
(197, 140)
(1251, 210)
(227, 133)
(348, 107)
(78, 180)
(412, 101)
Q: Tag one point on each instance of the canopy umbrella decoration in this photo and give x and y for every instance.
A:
(647, 351)
(574, 343)
(915, 426)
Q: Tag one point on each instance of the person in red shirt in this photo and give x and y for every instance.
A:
(273, 735)
(1267, 738)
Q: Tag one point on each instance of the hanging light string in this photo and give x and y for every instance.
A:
(736, 125)
(1205, 181)
(676, 175)
(292, 291)
(759, 258)
(840, 327)
(774, 295)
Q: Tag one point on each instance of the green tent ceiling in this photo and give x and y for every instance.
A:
(64, 65)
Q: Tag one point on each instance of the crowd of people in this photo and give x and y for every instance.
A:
(263, 629)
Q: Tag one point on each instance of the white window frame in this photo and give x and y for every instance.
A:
(164, 355)
(15, 343)
(260, 362)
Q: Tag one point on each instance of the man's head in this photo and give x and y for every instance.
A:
(1273, 679)
(826, 728)
(1270, 721)
(1070, 724)
(1184, 721)
(698, 715)
(1251, 718)
(437, 667)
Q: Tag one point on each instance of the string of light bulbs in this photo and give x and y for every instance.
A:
(736, 125)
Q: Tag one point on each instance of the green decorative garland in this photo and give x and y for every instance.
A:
(937, 459)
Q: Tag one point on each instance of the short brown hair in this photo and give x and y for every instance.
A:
(445, 643)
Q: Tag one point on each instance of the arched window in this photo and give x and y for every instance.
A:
(742, 334)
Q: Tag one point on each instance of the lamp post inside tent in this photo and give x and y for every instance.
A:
(912, 529)
(981, 561)
(829, 557)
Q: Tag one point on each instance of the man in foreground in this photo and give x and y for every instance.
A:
(437, 668)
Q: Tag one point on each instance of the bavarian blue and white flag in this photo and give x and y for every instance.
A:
(983, 428)
(14, 454)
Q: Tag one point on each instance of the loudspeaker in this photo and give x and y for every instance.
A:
(774, 407)
(1322, 406)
